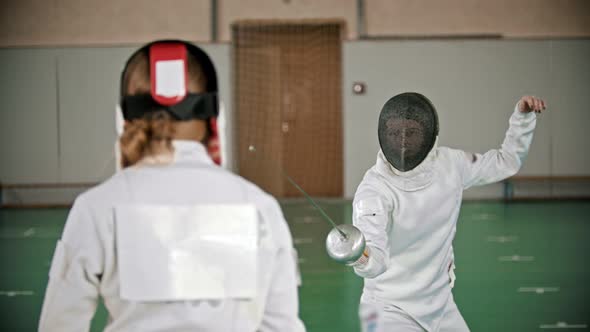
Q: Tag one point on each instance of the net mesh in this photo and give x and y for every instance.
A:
(288, 105)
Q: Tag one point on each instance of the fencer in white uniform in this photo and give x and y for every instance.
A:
(173, 242)
(407, 207)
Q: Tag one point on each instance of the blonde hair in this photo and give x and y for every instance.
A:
(146, 137)
(152, 134)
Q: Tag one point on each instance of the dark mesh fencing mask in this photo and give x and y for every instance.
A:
(408, 127)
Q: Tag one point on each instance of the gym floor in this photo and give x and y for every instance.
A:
(520, 266)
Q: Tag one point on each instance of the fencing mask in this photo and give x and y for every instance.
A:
(407, 130)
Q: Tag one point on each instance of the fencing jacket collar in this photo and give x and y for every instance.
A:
(185, 151)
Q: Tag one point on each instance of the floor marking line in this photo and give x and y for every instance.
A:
(22, 236)
(502, 238)
(11, 293)
(563, 325)
(29, 232)
(516, 258)
(538, 290)
(307, 220)
(485, 216)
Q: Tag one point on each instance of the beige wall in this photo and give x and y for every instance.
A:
(99, 22)
(115, 22)
(232, 10)
(510, 18)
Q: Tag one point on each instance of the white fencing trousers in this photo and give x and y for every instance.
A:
(388, 318)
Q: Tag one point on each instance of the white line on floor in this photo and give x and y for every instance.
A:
(516, 258)
(38, 236)
(538, 290)
(11, 293)
(563, 325)
(485, 216)
(29, 232)
(303, 240)
(307, 220)
(502, 238)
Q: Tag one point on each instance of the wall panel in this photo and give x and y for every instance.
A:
(105, 22)
(88, 92)
(474, 85)
(29, 149)
(570, 118)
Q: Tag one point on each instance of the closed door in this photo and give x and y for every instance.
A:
(288, 101)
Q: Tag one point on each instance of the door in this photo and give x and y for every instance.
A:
(288, 105)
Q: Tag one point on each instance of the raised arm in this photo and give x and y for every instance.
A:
(499, 164)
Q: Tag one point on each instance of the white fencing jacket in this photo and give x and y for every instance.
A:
(85, 267)
(409, 220)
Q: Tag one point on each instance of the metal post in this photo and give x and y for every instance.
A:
(361, 22)
(214, 13)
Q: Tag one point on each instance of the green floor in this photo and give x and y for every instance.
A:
(548, 239)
